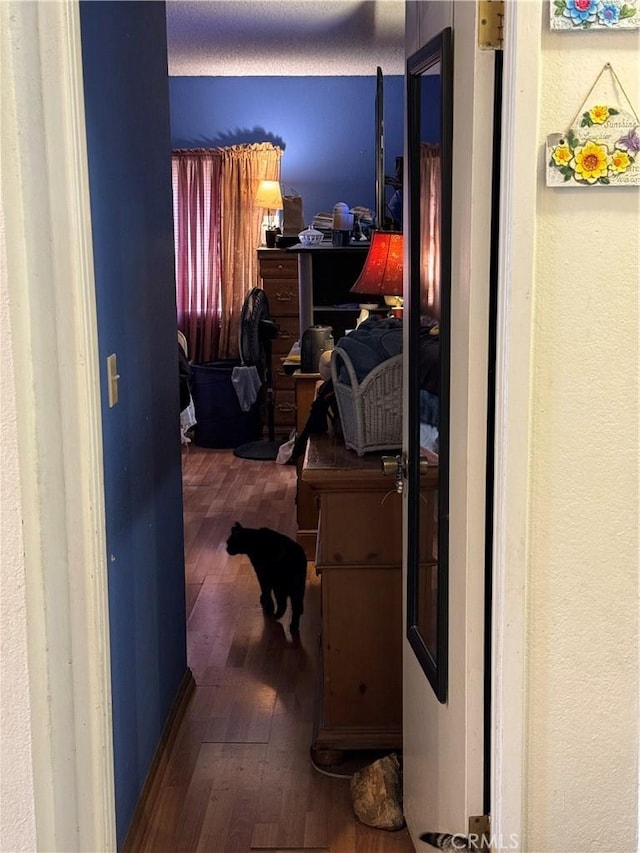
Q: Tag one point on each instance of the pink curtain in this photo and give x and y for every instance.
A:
(430, 230)
(196, 178)
(217, 232)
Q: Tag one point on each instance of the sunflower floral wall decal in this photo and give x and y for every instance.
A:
(602, 144)
(591, 163)
(594, 14)
(620, 161)
(597, 115)
(597, 158)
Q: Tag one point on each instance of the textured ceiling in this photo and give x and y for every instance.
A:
(283, 38)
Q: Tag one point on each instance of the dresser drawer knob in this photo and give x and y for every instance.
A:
(284, 296)
(285, 407)
(284, 334)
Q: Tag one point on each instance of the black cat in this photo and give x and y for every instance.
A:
(281, 567)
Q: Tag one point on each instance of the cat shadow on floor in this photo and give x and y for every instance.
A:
(271, 657)
(294, 669)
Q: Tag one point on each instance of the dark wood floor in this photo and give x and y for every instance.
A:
(239, 776)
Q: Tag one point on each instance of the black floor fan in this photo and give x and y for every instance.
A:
(257, 330)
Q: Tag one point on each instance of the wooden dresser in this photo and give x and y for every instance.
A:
(359, 560)
(278, 271)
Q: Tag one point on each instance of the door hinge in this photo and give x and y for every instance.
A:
(490, 24)
(480, 833)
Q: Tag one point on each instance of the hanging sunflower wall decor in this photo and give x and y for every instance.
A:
(602, 144)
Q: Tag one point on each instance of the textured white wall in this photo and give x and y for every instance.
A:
(17, 814)
(582, 734)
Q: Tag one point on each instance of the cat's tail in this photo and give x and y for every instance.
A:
(446, 841)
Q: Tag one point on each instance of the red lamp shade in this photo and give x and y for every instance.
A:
(382, 271)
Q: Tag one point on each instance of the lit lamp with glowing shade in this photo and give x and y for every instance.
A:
(269, 196)
(381, 274)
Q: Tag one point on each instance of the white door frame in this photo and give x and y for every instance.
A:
(513, 397)
(49, 286)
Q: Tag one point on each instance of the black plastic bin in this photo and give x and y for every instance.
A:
(220, 422)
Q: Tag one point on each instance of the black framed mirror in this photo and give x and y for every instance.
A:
(429, 83)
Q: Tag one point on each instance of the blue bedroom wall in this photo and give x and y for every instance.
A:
(326, 126)
(127, 115)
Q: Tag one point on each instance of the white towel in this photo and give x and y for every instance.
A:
(187, 420)
(247, 383)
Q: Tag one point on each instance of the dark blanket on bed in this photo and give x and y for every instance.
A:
(373, 342)
(376, 340)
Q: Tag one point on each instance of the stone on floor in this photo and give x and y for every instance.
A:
(376, 792)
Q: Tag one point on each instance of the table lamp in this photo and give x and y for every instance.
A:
(269, 195)
(381, 274)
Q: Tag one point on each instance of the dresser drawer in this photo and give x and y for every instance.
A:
(282, 295)
(285, 408)
(371, 537)
(281, 380)
(287, 336)
(279, 267)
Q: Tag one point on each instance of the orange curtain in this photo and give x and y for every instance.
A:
(217, 230)
(243, 167)
(430, 230)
